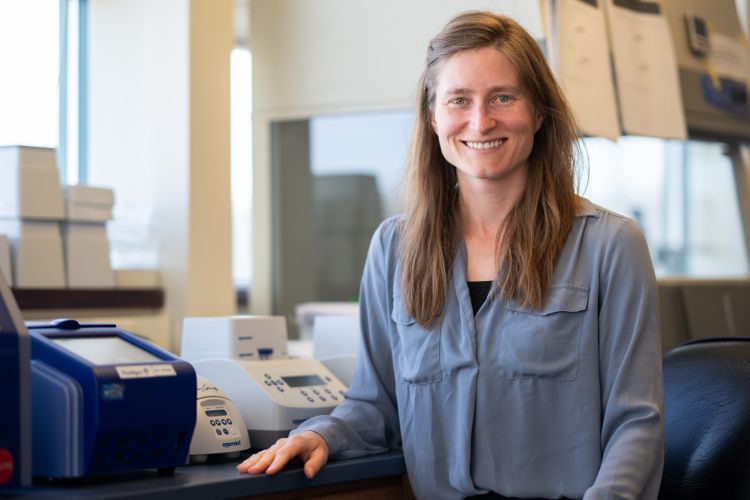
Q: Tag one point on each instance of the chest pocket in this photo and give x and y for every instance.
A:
(544, 343)
(419, 348)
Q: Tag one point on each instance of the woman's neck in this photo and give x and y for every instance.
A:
(484, 206)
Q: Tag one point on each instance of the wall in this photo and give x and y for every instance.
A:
(159, 134)
(335, 56)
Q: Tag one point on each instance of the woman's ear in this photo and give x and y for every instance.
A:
(539, 121)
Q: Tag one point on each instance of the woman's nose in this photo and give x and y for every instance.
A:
(481, 120)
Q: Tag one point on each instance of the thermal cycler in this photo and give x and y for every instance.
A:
(220, 429)
(246, 357)
(105, 401)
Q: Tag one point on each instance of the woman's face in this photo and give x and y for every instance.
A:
(482, 117)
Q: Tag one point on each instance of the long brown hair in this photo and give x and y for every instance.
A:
(537, 227)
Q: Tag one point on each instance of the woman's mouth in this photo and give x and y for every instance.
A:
(484, 144)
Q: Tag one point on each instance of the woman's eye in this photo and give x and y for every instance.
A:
(504, 98)
(458, 100)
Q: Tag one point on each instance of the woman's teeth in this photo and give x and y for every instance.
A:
(484, 145)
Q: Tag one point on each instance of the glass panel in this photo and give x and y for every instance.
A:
(368, 143)
(241, 157)
(357, 163)
(683, 196)
(681, 193)
(715, 240)
(74, 98)
(29, 58)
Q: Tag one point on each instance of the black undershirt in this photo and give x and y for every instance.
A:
(478, 291)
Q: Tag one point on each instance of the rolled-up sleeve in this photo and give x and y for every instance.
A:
(367, 422)
(632, 437)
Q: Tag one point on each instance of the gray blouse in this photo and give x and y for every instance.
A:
(562, 401)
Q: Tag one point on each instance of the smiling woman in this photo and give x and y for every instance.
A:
(485, 124)
(495, 86)
(510, 337)
(487, 131)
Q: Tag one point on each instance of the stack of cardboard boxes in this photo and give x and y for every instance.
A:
(84, 233)
(31, 208)
(56, 238)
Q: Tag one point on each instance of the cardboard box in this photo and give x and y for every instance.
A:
(137, 278)
(5, 265)
(36, 252)
(30, 184)
(88, 204)
(87, 263)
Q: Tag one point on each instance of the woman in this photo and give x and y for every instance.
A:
(510, 329)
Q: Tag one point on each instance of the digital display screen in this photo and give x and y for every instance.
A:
(303, 380)
(215, 413)
(106, 350)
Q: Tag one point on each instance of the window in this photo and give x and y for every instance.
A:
(241, 149)
(683, 196)
(682, 193)
(29, 56)
(241, 155)
(356, 162)
(41, 58)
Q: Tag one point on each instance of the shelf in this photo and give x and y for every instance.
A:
(89, 298)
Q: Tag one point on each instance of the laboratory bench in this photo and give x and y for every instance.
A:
(378, 477)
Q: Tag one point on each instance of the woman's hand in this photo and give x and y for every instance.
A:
(309, 446)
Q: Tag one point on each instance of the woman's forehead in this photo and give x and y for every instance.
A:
(480, 69)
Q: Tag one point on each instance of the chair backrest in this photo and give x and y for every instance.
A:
(707, 420)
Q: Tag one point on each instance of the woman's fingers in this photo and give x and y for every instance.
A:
(316, 454)
(317, 459)
(281, 458)
(261, 465)
(308, 445)
(256, 461)
(296, 446)
(259, 461)
(248, 462)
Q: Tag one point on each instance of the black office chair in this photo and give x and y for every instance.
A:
(707, 420)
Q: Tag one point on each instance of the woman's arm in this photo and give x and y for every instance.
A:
(366, 423)
(632, 436)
